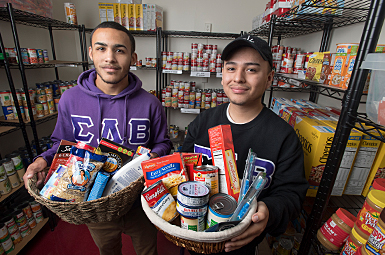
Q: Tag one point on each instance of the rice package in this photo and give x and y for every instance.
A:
(81, 170)
(314, 66)
(52, 182)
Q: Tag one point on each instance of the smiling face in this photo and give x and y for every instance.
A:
(112, 57)
(245, 77)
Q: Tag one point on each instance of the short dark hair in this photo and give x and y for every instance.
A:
(117, 26)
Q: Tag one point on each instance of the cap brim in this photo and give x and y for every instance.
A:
(234, 45)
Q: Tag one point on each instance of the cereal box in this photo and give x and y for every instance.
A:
(362, 165)
(106, 12)
(223, 155)
(131, 17)
(346, 80)
(289, 114)
(314, 66)
(327, 67)
(170, 169)
(124, 12)
(339, 69)
(139, 17)
(316, 138)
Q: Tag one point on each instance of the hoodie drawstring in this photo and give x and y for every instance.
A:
(100, 119)
(125, 119)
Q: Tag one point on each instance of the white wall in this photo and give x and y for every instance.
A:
(224, 15)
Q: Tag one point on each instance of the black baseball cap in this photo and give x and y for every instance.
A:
(249, 41)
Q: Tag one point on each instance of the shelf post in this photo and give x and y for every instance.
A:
(17, 106)
(81, 47)
(369, 38)
(23, 77)
(85, 49)
(270, 42)
(53, 50)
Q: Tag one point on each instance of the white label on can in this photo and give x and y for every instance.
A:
(8, 245)
(193, 193)
(215, 218)
(3, 232)
(193, 224)
(191, 212)
(9, 167)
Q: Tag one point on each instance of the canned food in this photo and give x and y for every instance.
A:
(9, 166)
(45, 108)
(11, 224)
(35, 206)
(51, 106)
(3, 231)
(8, 244)
(221, 208)
(193, 193)
(45, 54)
(26, 208)
(32, 56)
(16, 237)
(32, 223)
(24, 56)
(197, 224)
(5, 98)
(70, 12)
(20, 218)
(208, 175)
(38, 216)
(40, 56)
(25, 230)
(161, 201)
(191, 211)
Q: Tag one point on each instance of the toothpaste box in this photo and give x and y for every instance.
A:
(223, 155)
(129, 173)
(98, 186)
(377, 170)
(316, 138)
(362, 165)
(170, 169)
(62, 155)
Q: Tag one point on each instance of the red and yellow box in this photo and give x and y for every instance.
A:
(131, 17)
(124, 13)
(170, 169)
(192, 158)
(222, 151)
(377, 170)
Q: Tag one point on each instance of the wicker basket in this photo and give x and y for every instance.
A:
(99, 210)
(200, 242)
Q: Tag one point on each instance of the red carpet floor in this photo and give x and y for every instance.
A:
(76, 240)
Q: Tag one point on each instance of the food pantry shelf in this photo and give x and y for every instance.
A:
(50, 64)
(7, 130)
(3, 197)
(369, 127)
(201, 35)
(133, 32)
(29, 237)
(31, 19)
(312, 16)
(15, 123)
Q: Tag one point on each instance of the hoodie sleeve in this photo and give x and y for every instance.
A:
(161, 143)
(62, 131)
(288, 189)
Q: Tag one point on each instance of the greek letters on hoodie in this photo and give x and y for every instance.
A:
(132, 118)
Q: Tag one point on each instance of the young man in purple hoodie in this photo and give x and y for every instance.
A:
(109, 102)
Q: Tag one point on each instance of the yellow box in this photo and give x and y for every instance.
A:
(117, 14)
(124, 12)
(347, 161)
(362, 165)
(316, 138)
(131, 17)
(106, 12)
(377, 170)
(139, 16)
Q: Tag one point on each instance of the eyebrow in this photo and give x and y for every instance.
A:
(247, 64)
(115, 45)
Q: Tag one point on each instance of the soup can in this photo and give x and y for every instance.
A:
(208, 175)
(196, 224)
(221, 208)
(8, 244)
(45, 54)
(11, 224)
(16, 237)
(5, 185)
(191, 211)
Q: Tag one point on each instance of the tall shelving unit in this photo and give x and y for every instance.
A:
(14, 16)
(309, 18)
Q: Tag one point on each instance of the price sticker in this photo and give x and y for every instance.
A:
(133, 68)
(172, 71)
(200, 74)
(219, 75)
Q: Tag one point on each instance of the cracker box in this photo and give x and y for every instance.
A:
(131, 17)
(377, 170)
(339, 69)
(118, 155)
(63, 153)
(223, 155)
(347, 160)
(117, 14)
(106, 12)
(316, 138)
(124, 13)
(362, 165)
(170, 169)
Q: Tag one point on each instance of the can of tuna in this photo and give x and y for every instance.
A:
(208, 175)
(3, 231)
(8, 245)
(191, 211)
(38, 216)
(221, 208)
(5, 185)
(32, 223)
(16, 237)
(161, 201)
(25, 230)
(193, 193)
(11, 224)
(197, 224)
(20, 218)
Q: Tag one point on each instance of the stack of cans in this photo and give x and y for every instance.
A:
(28, 56)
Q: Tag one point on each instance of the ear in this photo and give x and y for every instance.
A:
(134, 58)
(90, 53)
(270, 78)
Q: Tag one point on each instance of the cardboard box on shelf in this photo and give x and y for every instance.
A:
(106, 12)
(131, 17)
(124, 12)
(117, 13)
(339, 69)
(156, 17)
(139, 17)
(362, 165)
(377, 170)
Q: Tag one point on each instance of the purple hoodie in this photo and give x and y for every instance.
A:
(132, 118)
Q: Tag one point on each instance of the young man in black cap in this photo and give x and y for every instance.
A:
(247, 73)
